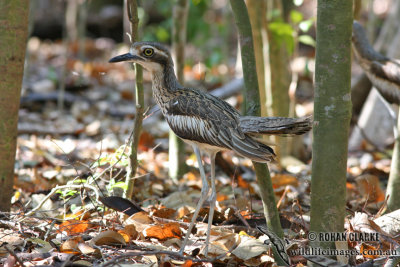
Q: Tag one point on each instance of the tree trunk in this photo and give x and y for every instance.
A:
(13, 37)
(257, 11)
(177, 166)
(393, 187)
(251, 107)
(332, 112)
(132, 10)
(278, 89)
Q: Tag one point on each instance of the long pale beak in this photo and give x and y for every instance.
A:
(125, 57)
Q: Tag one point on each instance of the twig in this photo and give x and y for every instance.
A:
(120, 258)
(55, 189)
(12, 253)
(120, 158)
(174, 254)
(243, 220)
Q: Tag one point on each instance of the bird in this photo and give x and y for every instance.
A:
(383, 72)
(207, 123)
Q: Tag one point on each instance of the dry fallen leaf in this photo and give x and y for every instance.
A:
(177, 200)
(183, 211)
(129, 232)
(188, 263)
(146, 141)
(221, 197)
(163, 231)
(84, 248)
(280, 180)
(369, 251)
(71, 245)
(41, 245)
(249, 248)
(166, 213)
(140, 220)
(73, 227)
(369, 187)
(107, 238)
(241, 182)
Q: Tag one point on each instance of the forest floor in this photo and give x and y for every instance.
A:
(72, 162)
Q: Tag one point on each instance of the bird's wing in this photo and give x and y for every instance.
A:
(200, 117)
(389, 70)
(385, 75)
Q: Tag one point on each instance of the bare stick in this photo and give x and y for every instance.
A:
(55, 189)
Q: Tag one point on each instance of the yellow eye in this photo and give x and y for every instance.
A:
(148, 52)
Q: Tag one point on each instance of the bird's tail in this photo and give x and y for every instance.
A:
(275, 125)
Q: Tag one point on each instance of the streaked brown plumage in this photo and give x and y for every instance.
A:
(383, 72)
(206, 122)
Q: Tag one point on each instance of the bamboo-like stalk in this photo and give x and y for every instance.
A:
(256, 9)
(132, 10)
(393, 187)
(332, 112)
(177, 164)
(278, 96)
(251, 105)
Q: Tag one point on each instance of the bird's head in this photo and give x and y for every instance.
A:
(152, 56)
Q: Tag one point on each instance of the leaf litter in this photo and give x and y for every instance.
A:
(83, 153)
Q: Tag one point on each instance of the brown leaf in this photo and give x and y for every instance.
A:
(166, 213)
(141, 220)
(249, 248)
(129, 232)
(369, 187)
(146, 141)
(183, 211)
(188, 263)
(108, 238)
(73, 227)
(88, 250)
(241, 182)
(368, 251)
(164, 231)
(221, 197)
(280, 180)
(71, 245)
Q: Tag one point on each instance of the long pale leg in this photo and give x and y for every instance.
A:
(204, 192)
(213, 199)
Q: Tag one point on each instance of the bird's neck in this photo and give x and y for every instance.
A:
(364, 50)
(165, 84)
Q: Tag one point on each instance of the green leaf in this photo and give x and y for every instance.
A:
(296, 16)
(306, 25)
(196, 2)
(71, 193)
(122, 185)
(283, 33)
(162, 34)
(79, 181)
(281, 28)
(307, 39)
